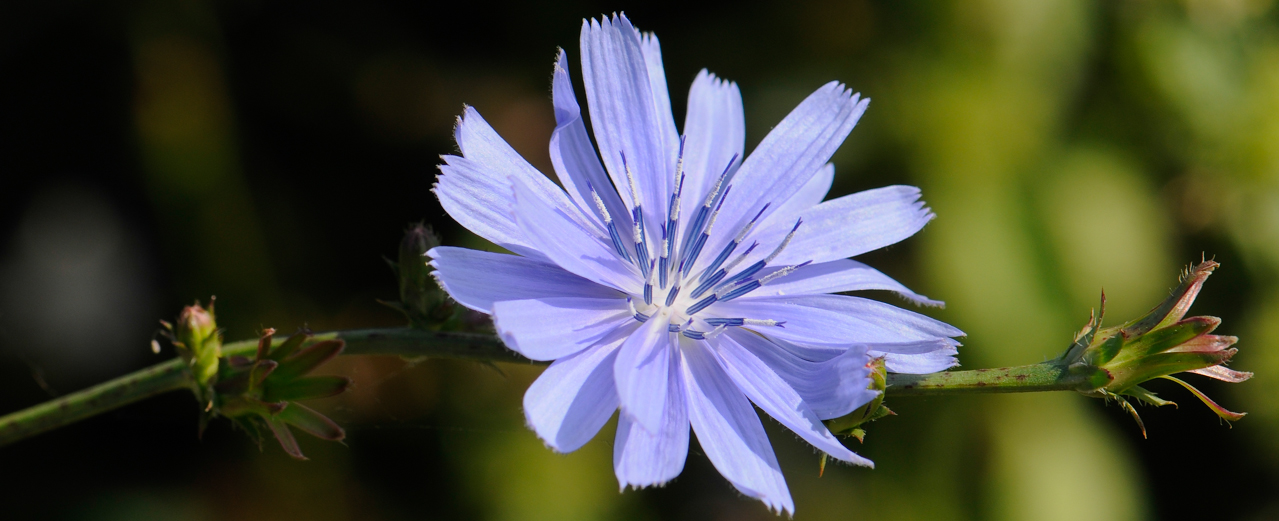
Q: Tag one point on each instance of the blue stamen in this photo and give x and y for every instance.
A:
(700, 305)
(726, 321)
(709, 283)
(612, 226)
(670, 297)
(739, 291)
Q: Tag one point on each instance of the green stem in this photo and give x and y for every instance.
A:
(160, 378)
(1046, 376)
(173, 375)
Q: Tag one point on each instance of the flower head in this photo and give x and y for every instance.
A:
(677, 281)
(1157, 345)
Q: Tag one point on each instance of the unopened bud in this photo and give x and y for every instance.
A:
(1157, 345)
(197, 338)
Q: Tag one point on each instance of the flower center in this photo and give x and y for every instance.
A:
(666, 278)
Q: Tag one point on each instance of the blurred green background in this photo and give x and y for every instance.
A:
(155, 152)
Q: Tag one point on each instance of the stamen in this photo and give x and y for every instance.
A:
(670, 297)
(728, 293)
(700, 219)
(637, 215)
(732, 245)
(782, 273)
(700, 305)
(725, 321)
(635, 312)
(612, 227)
(708, 283)
(760, 264)
(686, 264)
(769, 323)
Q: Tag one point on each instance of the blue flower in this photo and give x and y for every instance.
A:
(675, 280)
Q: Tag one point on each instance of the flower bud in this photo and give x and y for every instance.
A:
(197, 339)
(421, 299)
(1157, 345)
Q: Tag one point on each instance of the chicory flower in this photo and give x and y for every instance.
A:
(673, 280)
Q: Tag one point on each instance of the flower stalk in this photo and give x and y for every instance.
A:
(1103, 362)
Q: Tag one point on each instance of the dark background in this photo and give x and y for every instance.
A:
(271, 153)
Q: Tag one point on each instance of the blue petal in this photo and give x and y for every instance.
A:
(475, 190)
(642, 371)
(832, 387)
(576, 163)
(550, 328)
(777, 398)
(813, 192)
(835, 320)
(853, 225)
(474, 198)
(714, 130)
(652, 50)
(641, 459)
(790, 155)
(570, 244)
(730, 432)
(837, 276)
(573, 397)
(476, 279)
(916, 359)
(626, 120)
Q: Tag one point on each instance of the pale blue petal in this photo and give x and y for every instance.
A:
(641, 459)
(933, 358)
(478, 196)
(476, 279)
(642, 371)
(833, 320)
(480, 202)
(576, 163)
(715, 132)
(776, 397)
(813, 192)
(626, 121)
(789, 156)
(730, 432)
(652, 50)
(853, 225)
(838, 276)
(570, 244)
(573, 397)
(832, 386)
(549, 328)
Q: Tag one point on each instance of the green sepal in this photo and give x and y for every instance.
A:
(1163, 339)
(1143, 369)
(289, 346)
(282, 434)
(1222, 412)
(306, 388)
(261, 370)
(311, 422)
(1148, 397)
(308, 359)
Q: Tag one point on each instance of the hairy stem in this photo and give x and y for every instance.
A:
(160, 378)
(410, 343)
(1046, 376)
